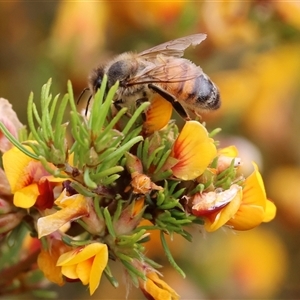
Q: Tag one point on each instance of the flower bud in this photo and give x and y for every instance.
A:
(10, 221)
(5, 207)
(130, 217)
(94, 224)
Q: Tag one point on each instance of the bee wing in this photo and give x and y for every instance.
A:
(175, 47)
(166, 69)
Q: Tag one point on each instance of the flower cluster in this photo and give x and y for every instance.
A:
(84, 197)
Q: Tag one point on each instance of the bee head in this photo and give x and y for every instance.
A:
(95, 79)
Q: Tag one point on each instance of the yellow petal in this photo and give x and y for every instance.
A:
(252, 210)
(158, 281)
(221, 218)
(69, 271)
(99, 264)
(230, 151)
(15, 163)
(270, 211)
(158, 114)
(158, 289)
(80, 254)
(194, 150)
(83, 270)
(26, 197)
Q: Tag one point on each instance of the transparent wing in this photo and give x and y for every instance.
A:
(166, 69)
(175, 47)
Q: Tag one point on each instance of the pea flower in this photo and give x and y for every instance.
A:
(85, 263)
(241, 209)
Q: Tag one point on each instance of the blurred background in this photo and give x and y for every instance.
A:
(252, 53)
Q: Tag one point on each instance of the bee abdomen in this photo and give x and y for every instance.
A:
(205, 93)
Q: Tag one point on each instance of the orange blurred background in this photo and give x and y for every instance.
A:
(252, 53)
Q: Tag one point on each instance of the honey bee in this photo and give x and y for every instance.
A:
(160, 70)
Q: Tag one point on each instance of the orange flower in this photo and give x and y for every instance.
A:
(47, 260)
(30, 183)
(85, 263)
(245, 209)
(192, 152)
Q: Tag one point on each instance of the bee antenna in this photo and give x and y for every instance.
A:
(87, 105)
(81, 94)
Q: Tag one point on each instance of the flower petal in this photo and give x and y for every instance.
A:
(157, 288)
(47, 264)
(69, 271)
(252, 210)
(15, 163)
(77, 208)
(26, 196)
(99, 264)
(158, 114)
(215, 221)
(83, 270)
(80, 254)
(194, 150)
(270, 211)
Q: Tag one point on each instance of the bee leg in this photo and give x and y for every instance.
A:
(177, 106)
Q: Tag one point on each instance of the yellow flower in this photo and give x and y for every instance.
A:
(30, 183)
(255, 207)
(85, 263)
(193, 151)
(73, 207)
(246, 209)
(156, 288)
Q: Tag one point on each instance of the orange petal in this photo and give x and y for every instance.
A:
(158, 114)
(194, 150)
(47, 264)
(26, 196)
